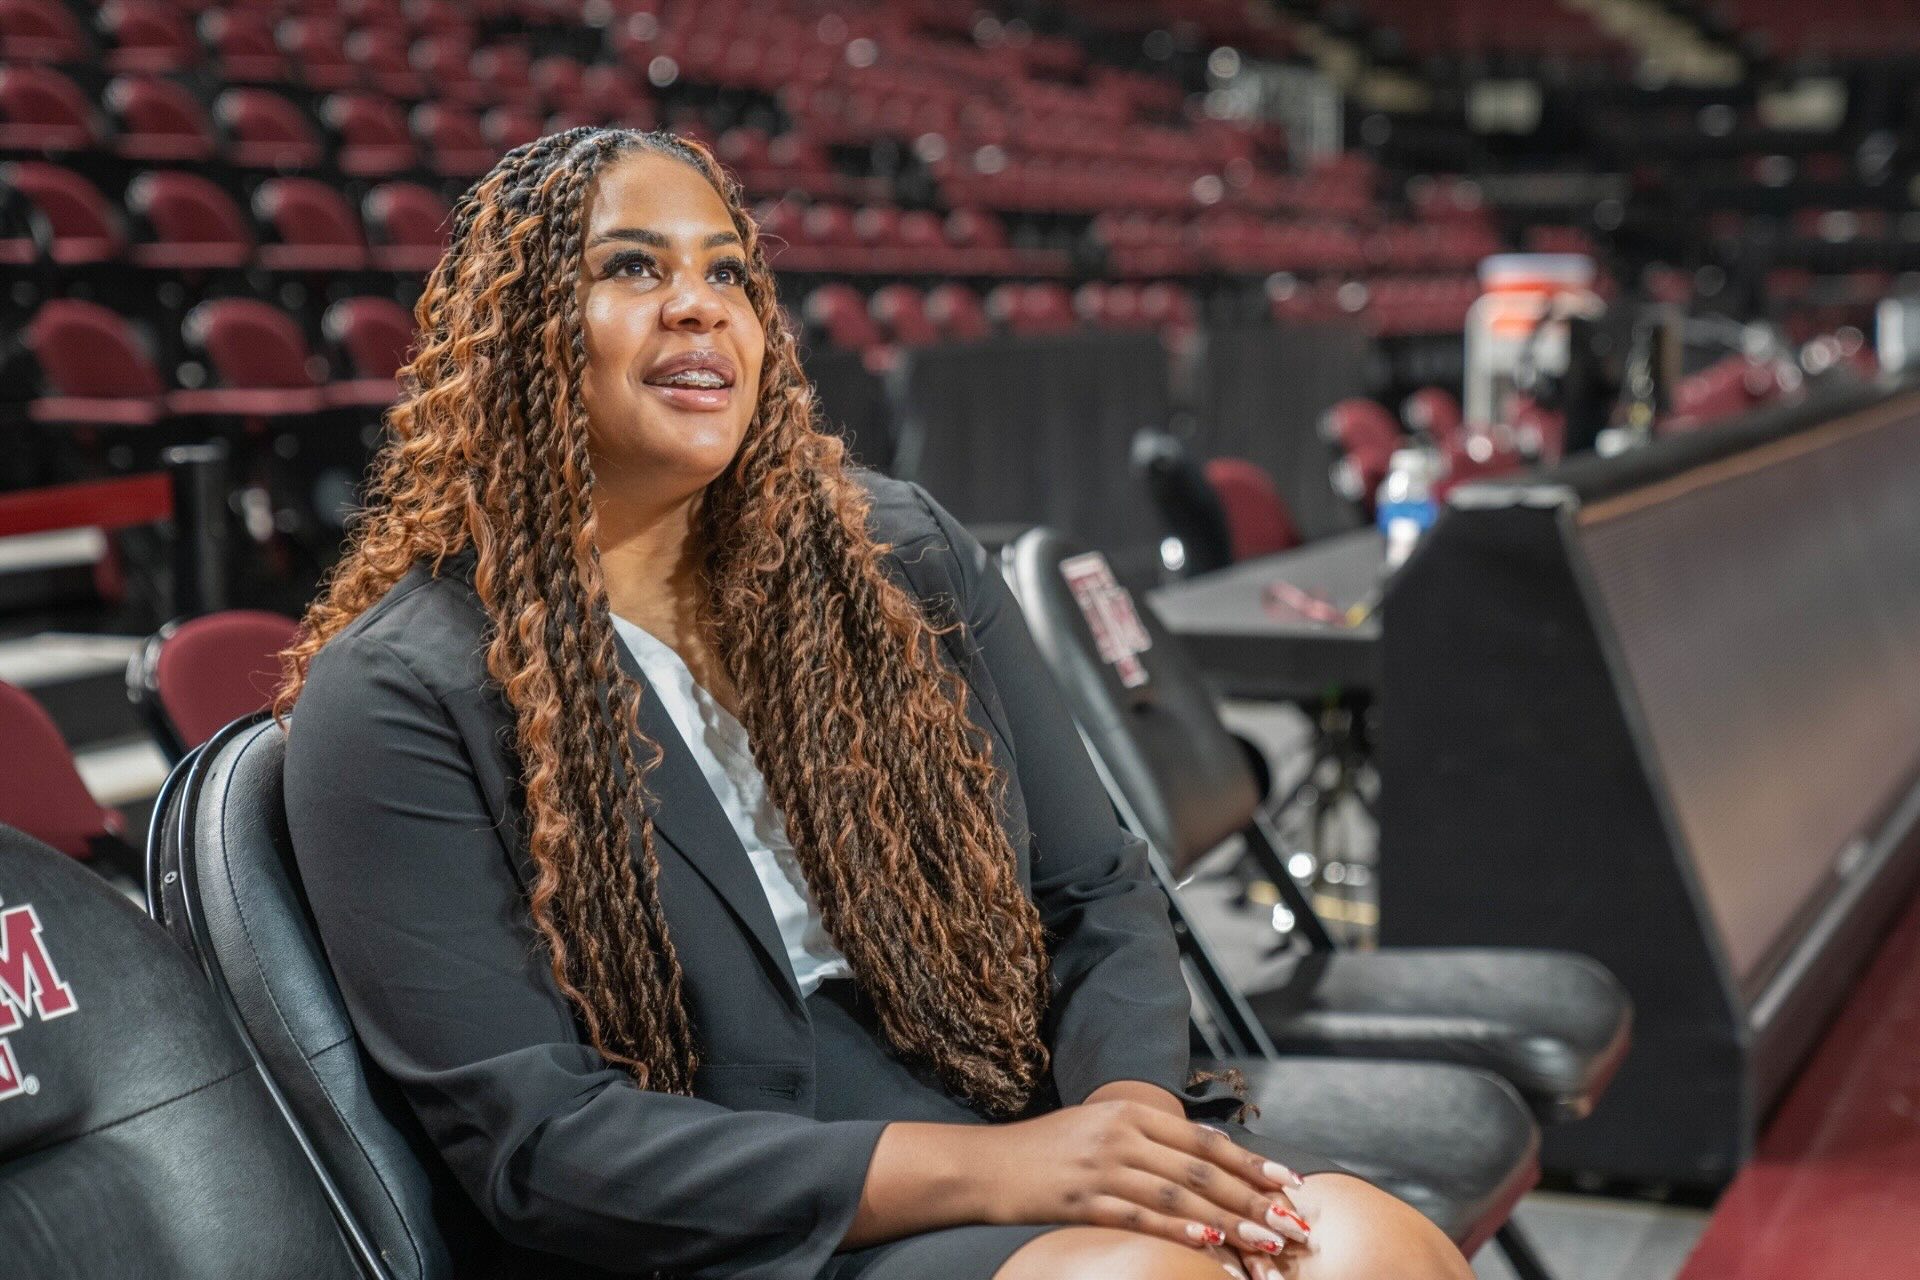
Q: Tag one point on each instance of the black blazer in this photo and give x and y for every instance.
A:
(402, 803)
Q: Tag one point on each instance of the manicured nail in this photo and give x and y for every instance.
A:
(1280, 1173)
(1261, 1238)
(1288, 1223)
(1233, 1271)
(1201, 1233)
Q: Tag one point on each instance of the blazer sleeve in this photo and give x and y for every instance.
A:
(1120, 1006)
(423, 920)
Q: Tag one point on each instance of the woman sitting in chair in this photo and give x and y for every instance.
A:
(694, 831)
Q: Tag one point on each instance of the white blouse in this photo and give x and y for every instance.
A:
(719, 743)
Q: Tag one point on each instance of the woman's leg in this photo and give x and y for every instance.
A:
(1362, 1233)
(1102, 1253)
(1359, 1233)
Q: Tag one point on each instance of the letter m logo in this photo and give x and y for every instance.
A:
(29, 984)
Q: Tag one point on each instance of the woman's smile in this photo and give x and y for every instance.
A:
(698, 381)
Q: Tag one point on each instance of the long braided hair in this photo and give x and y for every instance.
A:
(888, 792)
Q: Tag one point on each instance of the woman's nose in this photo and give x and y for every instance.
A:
(694, 305)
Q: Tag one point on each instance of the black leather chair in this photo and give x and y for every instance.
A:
(221, 879)
(1189, 508)
(137, 1137)
(1455, 1142)
(1554, 1024)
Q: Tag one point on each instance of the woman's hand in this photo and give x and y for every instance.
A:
(1130, 1165)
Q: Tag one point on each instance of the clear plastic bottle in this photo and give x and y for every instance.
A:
(1405, 507)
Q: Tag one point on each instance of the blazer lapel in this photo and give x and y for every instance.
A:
(694, 826)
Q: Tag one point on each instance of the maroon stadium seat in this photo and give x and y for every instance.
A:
(42, 110)
(410, 224)
(1435, 412)
(838, 313)
(1032, 308)
(265, 131)
(96, 368)
(374, 141)
(508, 127)
(957, 313)
(383, 57)
(556, 78)
(444, 63)
(83, 227)
(316, 46)
(317, 230)
(243, 46)
(41, 31)
(158, 120)
(196, 225)
(456, 148)
(202, 674)
(901, 310)
(375, 334)
(1258, 521)
(147, 37)
(506, 70)
(41, 792)
(260, 357)
(1365, 435)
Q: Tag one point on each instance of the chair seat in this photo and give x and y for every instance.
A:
(1456, 1144)
(362, 393)
(185, 256)
(247, 402)
(97, 411)
(1554, 1024)
(406, 257)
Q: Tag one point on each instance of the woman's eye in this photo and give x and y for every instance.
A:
(631, 267)
(730, 273)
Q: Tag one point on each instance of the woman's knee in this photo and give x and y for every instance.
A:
(1362, 1233)
(1097, 1253)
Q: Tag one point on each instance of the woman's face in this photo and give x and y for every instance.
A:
(673, 345)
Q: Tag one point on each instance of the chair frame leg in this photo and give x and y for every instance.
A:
(1520, 1253)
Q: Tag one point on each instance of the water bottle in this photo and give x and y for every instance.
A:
(1405, 507)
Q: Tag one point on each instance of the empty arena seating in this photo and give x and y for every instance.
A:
(324, 145)
(42, 793)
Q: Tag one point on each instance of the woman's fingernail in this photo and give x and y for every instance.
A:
(1288, 1223)
(1233, 1271)
(1261, 1238)
(1280, 1173)
(1201, 1233)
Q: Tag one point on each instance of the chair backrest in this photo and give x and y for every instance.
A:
(159, 120)
(46, 111)
(85, 350)
(268, 125)
(225, 885)
(407, 213)
(1258, 521)
(250, 343)
(185, 208)
(1188, 505)
(199, 674)
(83, 226)
(136, 1134)
(1137, 695)
(375, 332)
(41, 791)
(305, 211)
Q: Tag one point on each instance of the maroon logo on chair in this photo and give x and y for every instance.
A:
(1108, 609)
(29, 987)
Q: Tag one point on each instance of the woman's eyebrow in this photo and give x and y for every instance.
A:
(653, 239)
